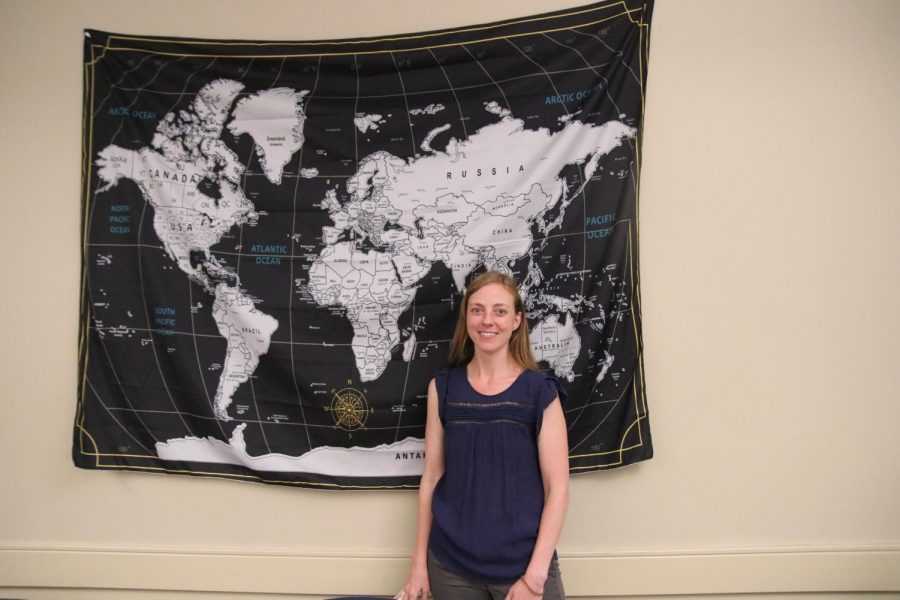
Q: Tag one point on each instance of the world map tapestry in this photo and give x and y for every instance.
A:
(277, 235)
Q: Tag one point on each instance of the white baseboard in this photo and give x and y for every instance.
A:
(721, 572)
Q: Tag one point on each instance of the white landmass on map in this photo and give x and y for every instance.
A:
(274, 119)
(309, 173)
(409, 347)
(184, 218)
(367, 122)
(557, 343)
(472, 204)
(568, 117)
(399, 459)
(605, 365)
(426, 143)
(494, 107)
(431, 109)
(187, 151)
(560, 303)
(366, 284)
(247, 332)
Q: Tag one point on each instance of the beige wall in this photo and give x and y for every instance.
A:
(771, 304)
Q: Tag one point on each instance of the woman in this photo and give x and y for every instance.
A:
(494, 490)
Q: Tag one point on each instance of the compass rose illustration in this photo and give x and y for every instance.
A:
(349, 409)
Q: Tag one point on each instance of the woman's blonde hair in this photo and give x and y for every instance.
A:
(462, 349)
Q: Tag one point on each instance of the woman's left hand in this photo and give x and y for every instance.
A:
(520, 591)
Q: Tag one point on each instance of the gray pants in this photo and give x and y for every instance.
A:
(447, 585)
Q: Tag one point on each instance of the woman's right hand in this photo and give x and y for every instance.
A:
(416, 587)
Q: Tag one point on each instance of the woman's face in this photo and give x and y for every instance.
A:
(491, 318)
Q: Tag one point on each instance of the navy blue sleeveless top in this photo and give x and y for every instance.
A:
(487, 505)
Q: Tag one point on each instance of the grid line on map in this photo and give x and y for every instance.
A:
(619, 54)
(412, 357)
(427, 92)
(281, 423)
(493, 81)
(240, 247)
(113, 417)
(306, 256)
(195, 336)
(114, 329)
(90, 221)
(140, 89)
(593, 69)
(209, 400)
(462, 120)
(114, 86)
(294, 235)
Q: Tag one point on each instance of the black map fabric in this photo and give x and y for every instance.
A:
(277, 235)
